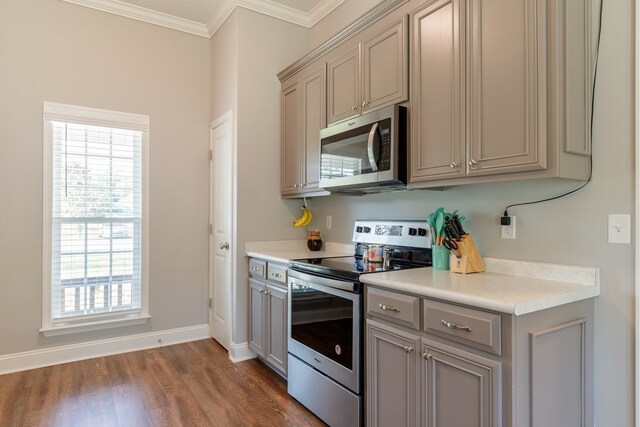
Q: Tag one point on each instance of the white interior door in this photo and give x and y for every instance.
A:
(221, 214)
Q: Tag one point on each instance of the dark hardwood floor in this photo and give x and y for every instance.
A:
(192, 384)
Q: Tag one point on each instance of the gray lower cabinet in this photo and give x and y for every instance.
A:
(268, 316)
(393, 384)
(459, 388)
(439, 364)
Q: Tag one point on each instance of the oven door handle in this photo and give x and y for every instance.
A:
(372, 154)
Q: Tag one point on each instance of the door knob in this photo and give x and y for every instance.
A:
(224, 245)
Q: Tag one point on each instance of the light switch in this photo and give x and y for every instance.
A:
(619, 228)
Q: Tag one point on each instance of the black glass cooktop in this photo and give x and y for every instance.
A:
(348, 267)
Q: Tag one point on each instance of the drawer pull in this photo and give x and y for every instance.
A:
(389, 308)
(426, 356)
(255, 269)
(455, 326)
(277, 275)
(408, 349)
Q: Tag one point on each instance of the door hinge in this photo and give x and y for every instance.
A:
(211, 229)
(210, 302)
(210, 154)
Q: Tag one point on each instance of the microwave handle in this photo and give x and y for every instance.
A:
(372, 156)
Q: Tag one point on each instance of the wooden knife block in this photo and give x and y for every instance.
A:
(470, 260)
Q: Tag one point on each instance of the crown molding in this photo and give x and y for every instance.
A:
(146, 15)
(275, 10)
(265, 7)
(321, 10)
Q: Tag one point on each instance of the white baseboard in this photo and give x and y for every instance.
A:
(70, 353)
(240, 352)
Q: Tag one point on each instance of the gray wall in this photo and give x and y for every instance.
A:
(55, 51)
(572, 230)
(248, 51)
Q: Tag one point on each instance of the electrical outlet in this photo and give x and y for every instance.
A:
(509, 231)
(329, 219)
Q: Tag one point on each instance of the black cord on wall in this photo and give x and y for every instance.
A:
(593, 97)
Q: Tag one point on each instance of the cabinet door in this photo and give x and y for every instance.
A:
(257, 313)
(437, 91)
(507, 97)
(343, 84)
(314, 118)
(459, 388)
(277, 327)
(291, 134)
(392, 372)
(385, 67)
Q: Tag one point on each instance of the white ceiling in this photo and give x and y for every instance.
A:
(204, 17)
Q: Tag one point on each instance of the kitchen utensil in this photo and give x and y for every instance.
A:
(439, 225)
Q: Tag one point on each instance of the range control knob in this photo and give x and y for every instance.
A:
(412, 232)
(422, 232)
(358, 229)
(366, 229)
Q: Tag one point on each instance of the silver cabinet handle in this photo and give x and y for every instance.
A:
(295, 185)
(408, 349)
(365, 103)
(426, 356)
(255, 269)
(276, 275)
(354, 108)
(472, 162)
(261, 291)
(389, 308)
(453, 165)
(455, 326)
(224, 245)
(267, 292)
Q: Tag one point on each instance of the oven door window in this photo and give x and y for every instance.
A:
(323, 322)
(349, 153)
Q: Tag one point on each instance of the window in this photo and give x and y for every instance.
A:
(95, 269)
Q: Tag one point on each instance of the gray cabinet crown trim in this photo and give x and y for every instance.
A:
(360, 24)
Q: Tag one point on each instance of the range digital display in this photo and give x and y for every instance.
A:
(388, 230)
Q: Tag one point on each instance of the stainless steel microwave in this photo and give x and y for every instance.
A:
(366, 154)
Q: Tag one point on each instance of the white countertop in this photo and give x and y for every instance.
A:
(507, 286)
(284, 250)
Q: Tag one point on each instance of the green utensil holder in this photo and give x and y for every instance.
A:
(440, 257)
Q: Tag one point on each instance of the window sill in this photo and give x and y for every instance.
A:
(96, 325)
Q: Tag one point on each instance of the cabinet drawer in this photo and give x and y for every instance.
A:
(394, 307)
(257, 268)
(277, 273)
(474, 328)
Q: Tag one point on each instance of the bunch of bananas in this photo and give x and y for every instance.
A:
(305, 218)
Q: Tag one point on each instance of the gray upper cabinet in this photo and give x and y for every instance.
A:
(370, 74)
(490, 91)
(507, 91)
(344, 86)
(291, 134)
(437, 91)
(303, 100)
(500, 88)
(385, 67)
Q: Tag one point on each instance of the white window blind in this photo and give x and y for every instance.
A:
(96, 208)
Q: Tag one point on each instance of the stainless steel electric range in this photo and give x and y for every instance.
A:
(326, 320)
